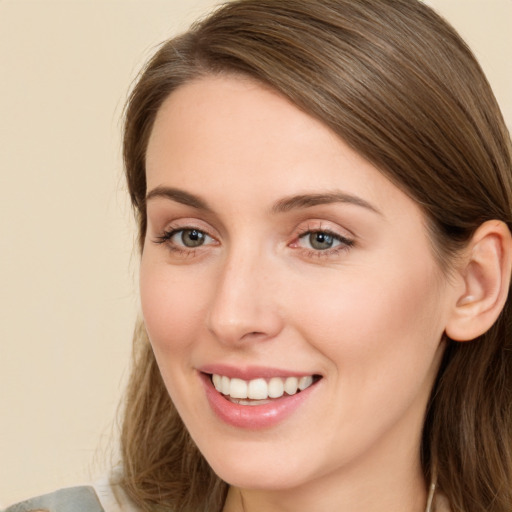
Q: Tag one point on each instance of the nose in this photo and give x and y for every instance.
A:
(244, 305)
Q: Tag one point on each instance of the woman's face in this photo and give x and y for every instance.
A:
(276, 258)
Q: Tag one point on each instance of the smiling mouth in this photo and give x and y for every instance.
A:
(260, 391)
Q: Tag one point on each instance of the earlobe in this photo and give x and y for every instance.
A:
(485, 272)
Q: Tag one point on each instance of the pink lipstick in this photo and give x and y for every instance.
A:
(265, 411)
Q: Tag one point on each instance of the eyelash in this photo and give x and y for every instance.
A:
(344, 243)
(166, 236)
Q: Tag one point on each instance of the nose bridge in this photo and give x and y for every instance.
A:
(243, 306)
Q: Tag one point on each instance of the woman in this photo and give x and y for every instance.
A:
(324, 202)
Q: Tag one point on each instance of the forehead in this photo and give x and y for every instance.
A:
(221, 110)
(236, 124)
(229, 136)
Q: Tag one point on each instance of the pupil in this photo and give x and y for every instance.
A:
(320, 241)
(192, 237)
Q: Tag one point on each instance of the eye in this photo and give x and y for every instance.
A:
(320, 240)
(190, 237)
(185, 238)
(323, 241)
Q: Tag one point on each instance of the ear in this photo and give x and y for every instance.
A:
(485, 277)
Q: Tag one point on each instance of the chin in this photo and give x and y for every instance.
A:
(259, 469)
(259, 478)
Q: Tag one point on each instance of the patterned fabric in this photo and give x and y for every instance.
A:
(74, 499)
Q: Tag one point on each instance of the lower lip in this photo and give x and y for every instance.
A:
(253, 416)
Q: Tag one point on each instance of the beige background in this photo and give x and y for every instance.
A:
(67, 270)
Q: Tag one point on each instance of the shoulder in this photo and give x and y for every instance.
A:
(112, 497)
(100, 497)
(73, 499)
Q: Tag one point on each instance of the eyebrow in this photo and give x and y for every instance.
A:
(310, 200)
(282, 206)
(180, 196)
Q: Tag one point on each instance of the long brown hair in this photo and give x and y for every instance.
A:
(397, 84)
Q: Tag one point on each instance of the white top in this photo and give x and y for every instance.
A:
(103, 497)
(100, 497)
(113, 500)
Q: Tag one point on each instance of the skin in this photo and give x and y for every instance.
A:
(367, 315)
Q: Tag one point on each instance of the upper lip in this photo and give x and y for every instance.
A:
(251, 372)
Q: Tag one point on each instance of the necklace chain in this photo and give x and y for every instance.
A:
(430, 497)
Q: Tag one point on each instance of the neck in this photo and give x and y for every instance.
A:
(372, 499)
(363, 488)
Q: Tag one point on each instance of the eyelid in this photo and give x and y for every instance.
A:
(162, 225)
(323, 226)
(168, 235)
(346, 240)
(340, 238)
(172, 230)
(164, 235)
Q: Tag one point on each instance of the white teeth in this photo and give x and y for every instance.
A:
(275, 387)
(305, 382)
(291, 385)
(238, 388)
(248, 402)
(217, 382)
(259, 389)
(225, 385)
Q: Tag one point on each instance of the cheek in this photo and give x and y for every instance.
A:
(171, 307)
(381, 338)
(375, 327)
(364, 306)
